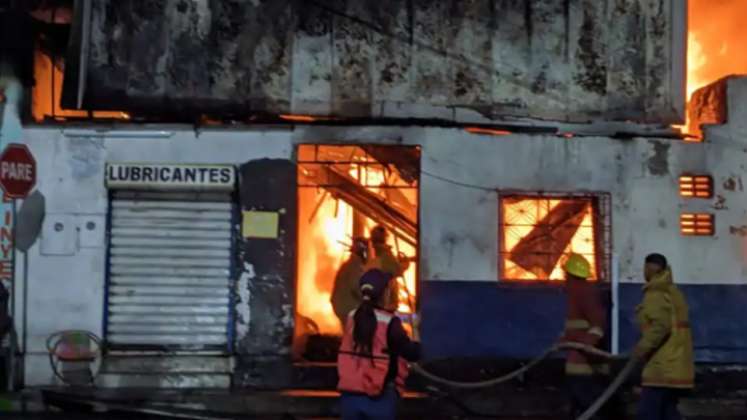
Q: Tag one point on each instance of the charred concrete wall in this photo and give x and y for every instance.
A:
(479, 60)
(466, 310)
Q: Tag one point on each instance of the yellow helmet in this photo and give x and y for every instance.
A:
(578, 266)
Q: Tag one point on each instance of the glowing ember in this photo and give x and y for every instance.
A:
(325, 233)
(321, 252)
(522, 216)
(48, 90)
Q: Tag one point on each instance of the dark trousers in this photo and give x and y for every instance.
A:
(659, 404)
(362, 407)
(584, 391)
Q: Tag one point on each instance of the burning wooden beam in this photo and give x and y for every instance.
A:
(545, 244)
(347, 189)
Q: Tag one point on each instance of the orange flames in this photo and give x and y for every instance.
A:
(715, 42)
(325, 235)
(522, 216)
(45, 96)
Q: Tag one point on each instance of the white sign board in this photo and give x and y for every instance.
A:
(156, 176)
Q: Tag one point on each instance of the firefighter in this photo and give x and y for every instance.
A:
(384, 258)
(586, 319)
(385, 261)
(346, 294)
(372, 362)
(665, 346)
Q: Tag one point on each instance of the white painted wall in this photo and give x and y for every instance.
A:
(67, 269)
(459, 238)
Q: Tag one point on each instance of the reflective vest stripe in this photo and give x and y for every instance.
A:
(682, 325)
(572, 368)
(363, 355)
(598, 331)
(577, 324)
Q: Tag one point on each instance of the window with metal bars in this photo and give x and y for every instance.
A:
(537, 232)
(696, 186)
(697, 224)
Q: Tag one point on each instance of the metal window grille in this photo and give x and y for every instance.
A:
(697, 224)
(696, 186)
(537, 231)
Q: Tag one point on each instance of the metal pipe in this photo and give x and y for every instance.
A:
(615, 345)
(84, 49)
(119, 134)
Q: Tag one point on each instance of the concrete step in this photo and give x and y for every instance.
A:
(164, 380)
(163, 372)
(133, 364)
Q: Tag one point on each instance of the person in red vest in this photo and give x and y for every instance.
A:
(372, 361)
(586, 319)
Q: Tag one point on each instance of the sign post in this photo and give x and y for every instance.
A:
(17, 179)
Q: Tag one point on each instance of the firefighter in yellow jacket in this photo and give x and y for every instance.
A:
(385, 260)
(665, 345)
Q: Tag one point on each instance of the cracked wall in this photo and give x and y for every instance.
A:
(461, 176)
(479, 60)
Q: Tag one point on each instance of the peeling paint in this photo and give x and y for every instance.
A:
(85, 159)
(243, 304)
(658, 164)
(733, 183)
(498, 58)
(720, 203)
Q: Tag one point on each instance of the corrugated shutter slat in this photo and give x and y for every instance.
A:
(170, 264)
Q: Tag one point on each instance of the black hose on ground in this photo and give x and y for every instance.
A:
(511, 375)
(588, 414)
(611, 389)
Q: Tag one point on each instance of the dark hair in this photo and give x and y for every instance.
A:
(657, 259)
(364, 327)
(373, 285)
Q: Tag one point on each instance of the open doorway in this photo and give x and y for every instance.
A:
(345, 193)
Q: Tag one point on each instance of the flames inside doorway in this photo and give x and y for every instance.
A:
(344, 192)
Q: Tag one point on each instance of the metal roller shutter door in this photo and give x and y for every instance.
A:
(169, 270)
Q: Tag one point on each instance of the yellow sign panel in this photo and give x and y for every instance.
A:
(260, 224)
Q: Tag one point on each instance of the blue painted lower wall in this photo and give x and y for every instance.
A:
(489, 319)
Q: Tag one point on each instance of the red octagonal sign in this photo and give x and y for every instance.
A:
(17, 171)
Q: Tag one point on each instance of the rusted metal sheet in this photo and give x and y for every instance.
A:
(559, 60)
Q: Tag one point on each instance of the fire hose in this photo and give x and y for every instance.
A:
(588, 414)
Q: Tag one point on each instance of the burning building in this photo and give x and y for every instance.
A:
(490, 138)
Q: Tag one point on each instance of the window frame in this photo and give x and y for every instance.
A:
(602, 230)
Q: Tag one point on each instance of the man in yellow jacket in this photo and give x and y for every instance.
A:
(665, 345)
